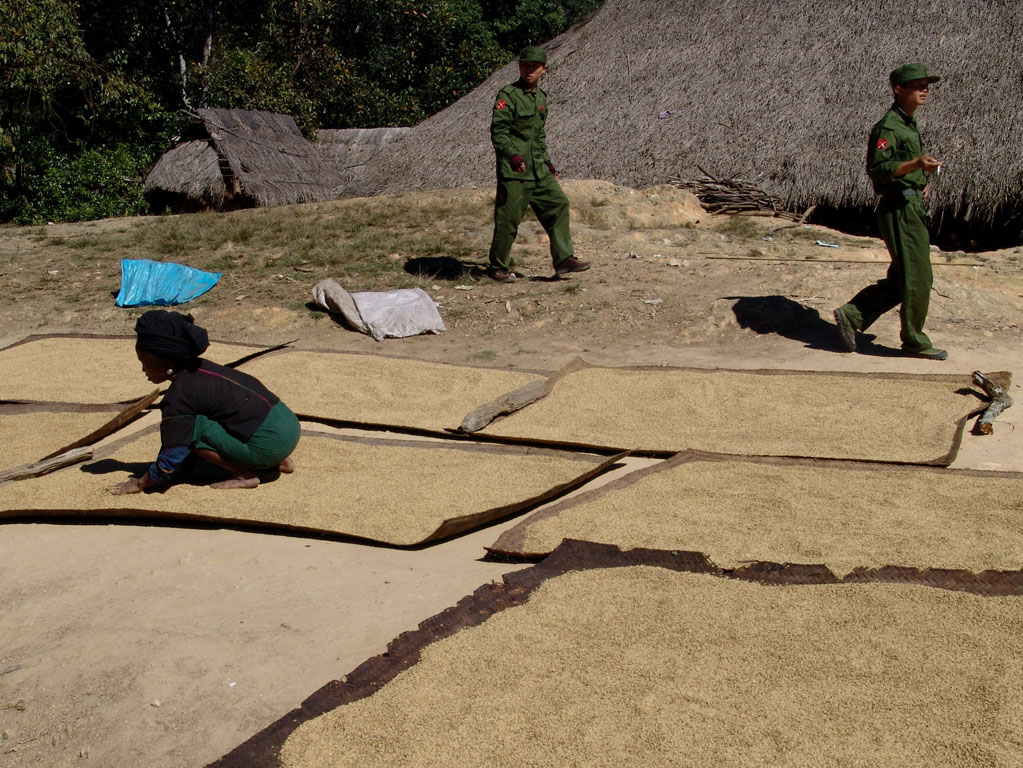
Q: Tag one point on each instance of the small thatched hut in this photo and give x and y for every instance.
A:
(232, 158)
(645, 91)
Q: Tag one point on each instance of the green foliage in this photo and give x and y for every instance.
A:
(93, 184)
(74, 140)
(518, 23)
(41, 55)
(245, 79)
(42, 62)
(89, 88)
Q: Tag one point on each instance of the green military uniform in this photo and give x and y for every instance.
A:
(517, 133)
(903, 221)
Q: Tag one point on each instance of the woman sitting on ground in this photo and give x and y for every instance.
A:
(216, 413)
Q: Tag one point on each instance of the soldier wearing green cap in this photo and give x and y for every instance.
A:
(897, 166)
(526, 178)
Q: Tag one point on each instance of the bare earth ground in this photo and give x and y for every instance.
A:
(163, 646)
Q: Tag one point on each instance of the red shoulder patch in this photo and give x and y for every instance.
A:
(501, 104)
(882, 143)
(542, 107)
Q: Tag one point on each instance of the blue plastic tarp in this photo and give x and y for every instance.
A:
(161, 283)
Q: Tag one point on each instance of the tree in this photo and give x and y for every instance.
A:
(43, 67)
(89, 88)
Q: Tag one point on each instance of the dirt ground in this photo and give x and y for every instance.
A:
(167, 646)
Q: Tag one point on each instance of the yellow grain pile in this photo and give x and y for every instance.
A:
(381, 390)
(735, 512)
(395, 494)
(27, 437)
(82, 370)
(647, 667)
(802, 414)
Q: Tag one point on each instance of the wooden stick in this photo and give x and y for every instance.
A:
(26, 471)
(1000, 400)
(799, 222)
(826, 261)
(509, 403)
(125, 416)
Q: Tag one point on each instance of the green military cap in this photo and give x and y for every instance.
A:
(532, 53)
(907, 73)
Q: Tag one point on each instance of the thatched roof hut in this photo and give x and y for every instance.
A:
(645, 91)
(238, 159)
(352, 149)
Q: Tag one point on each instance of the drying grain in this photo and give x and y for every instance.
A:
(84, 370)
(804, 414)
(381, 390)
(648, 667)
(27, 437)
(736, 512)
(399, 494)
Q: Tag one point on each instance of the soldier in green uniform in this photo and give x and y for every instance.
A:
(897, 166)
(525, 174)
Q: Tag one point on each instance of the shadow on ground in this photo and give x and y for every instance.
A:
(782, 316)
(444, 268)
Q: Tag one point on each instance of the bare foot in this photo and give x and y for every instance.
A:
(236, 482)
(287, 466)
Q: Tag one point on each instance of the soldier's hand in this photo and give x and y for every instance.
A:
(929, 164)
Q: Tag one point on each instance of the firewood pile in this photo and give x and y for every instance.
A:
(740, 196)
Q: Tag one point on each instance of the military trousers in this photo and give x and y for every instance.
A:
(549, 204)
(903, 225)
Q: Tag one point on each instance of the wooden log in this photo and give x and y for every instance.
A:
(125, 416)
(509, 403)
(1000, 400)
(39, 468)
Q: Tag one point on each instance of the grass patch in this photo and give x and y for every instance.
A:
(737, 226)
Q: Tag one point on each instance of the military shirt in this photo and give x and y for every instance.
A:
(893, 140)
(517, 128)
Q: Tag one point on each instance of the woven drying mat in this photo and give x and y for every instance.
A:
(372, 390)
(842, 514)
(602, 657)
(86, 369)
(397, 493)
(891, 417)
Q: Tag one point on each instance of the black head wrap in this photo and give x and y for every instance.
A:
(171, 335)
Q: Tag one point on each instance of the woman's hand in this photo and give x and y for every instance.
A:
(128, 486)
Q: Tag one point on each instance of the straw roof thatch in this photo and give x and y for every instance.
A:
(351, 149)
(186, 178)
(237, 159)
(646, 91)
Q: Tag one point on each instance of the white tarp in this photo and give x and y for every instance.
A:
(382, 314)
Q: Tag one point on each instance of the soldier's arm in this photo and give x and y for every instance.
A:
(882, 164)
(500, 127)
(542, 139)
(924, 163)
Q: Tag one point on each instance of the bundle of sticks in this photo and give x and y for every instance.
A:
(736, 196)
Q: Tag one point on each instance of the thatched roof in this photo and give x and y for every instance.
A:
(351, 149)
(788, 88)
(186, 177)
(260, 158)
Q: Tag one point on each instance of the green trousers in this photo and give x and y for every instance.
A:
(271, 443)
(549, 204)
(903, 225)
